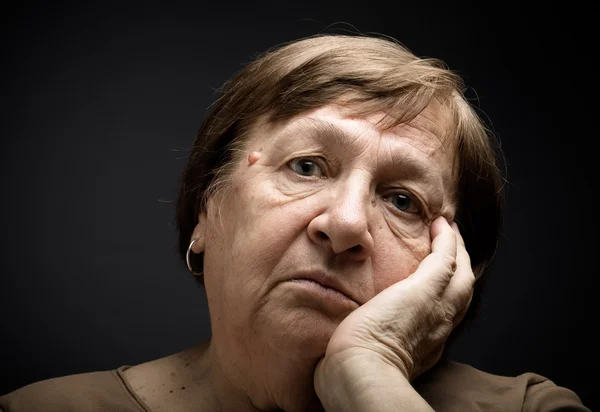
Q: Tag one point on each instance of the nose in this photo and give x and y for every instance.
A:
(344, 224)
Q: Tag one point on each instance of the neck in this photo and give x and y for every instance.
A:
(221, 382)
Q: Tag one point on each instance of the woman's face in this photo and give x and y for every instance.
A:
(324, 212)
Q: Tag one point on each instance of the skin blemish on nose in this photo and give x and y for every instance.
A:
(373, 202)
(253, 157)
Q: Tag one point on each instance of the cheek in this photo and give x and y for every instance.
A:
(244, 245)
(254, 228)
(410, 229)
(396, 258)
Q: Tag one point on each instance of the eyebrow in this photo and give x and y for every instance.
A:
(311, 128)
(329, 133)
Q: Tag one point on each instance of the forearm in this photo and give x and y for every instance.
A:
(361, 385)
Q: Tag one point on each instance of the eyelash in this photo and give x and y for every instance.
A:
(320, 163)
(418, 205)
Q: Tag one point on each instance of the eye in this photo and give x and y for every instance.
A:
(404, 202)
(306, 167)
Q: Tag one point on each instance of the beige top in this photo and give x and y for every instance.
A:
(449, 386)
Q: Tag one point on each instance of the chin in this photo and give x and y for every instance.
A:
(303, 334)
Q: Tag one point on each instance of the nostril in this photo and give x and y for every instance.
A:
(356, 249)
(323, 236)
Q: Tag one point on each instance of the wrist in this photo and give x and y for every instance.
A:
(363, 381)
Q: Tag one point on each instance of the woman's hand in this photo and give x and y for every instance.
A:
(407, 324)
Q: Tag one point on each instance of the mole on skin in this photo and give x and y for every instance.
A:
(253, 157)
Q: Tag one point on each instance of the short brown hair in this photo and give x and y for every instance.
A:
(367, 74)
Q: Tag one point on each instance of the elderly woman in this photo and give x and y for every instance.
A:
(340, 202)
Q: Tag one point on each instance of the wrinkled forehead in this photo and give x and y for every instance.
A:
(431, 131)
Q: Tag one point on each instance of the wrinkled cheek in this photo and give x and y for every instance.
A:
(409, 231)
(399, 260)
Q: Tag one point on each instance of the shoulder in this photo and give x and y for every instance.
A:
(467, 388)
(86, 392)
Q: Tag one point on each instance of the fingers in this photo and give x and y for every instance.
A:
(443, 240)
(438, 267)
(459, 292)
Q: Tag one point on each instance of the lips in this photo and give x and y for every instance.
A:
(326, 281)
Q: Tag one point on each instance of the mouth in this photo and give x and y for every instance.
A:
(324, 284)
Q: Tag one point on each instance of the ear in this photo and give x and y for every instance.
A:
(200, 233)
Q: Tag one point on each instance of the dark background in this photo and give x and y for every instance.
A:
(101, 102)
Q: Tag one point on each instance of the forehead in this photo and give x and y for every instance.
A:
(429, 133)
